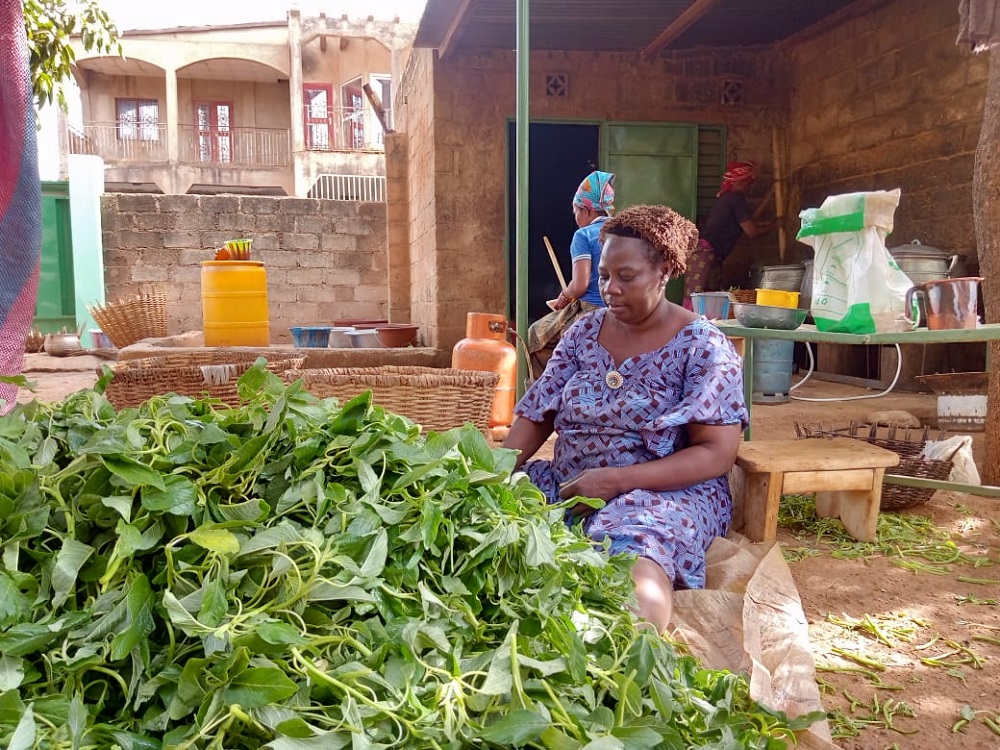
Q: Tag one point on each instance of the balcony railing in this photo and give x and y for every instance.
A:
(146, 143)
(343, 129)
(244, 147)
(349, 187)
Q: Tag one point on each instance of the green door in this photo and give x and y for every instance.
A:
(655, 163)
(55, 308)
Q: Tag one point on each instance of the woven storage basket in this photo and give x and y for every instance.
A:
(435, 398)
(210, 374)
(741, 296)
(911, 462)
(126, 321)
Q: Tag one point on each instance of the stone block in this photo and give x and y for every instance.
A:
(186, 274)
(155, 221)
(378, 294)
(277, 259)
(237, 224)
(137, 203)
(258, 205)
(181, 204)
(312, 224)
(219, 204)
(142, 273)
(338, 243)
(298, 206)
(133, 239)
(294, 241)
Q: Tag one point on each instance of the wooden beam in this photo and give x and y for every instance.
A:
(679, 25)
(451, 35)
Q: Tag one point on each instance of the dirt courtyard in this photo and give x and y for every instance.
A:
(905, 644)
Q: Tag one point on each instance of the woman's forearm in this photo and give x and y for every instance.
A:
(577, 285)
(527, 437)
(687, 467)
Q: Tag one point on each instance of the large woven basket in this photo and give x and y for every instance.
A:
(435, 398)
(908, 446)
(210, 374)
(126, 321)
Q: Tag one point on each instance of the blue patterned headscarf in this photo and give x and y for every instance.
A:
(597, 193)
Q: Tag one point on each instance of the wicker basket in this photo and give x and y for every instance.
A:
(210, 374)
(911, 462)
(126, 321)
(743, 297)
(435, 398)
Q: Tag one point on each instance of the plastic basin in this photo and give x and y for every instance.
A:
(767, 316)
(310, 337)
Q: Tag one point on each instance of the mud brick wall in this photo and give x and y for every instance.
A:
(887, 100)
(324, 259)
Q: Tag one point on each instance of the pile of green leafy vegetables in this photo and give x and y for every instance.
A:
(297, 573)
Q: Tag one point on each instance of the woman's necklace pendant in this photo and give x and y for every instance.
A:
(614, 380)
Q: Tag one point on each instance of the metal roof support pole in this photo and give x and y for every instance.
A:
(521, 198)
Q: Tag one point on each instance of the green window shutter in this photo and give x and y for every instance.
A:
(711, 166)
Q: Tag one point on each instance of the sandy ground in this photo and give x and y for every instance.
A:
(941, 634)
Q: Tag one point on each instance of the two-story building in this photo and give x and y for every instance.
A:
(270, 108)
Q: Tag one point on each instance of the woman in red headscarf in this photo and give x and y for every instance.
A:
(729, 220)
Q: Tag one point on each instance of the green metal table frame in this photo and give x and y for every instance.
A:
(809, 334)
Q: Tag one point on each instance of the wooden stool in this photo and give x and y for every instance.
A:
(845, 474)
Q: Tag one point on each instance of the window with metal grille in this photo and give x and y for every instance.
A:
(138, 119)
(318, 98)
(215, 136)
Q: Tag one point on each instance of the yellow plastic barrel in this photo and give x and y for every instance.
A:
(234, 303)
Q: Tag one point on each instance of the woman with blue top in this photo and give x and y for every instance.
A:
(593, 204)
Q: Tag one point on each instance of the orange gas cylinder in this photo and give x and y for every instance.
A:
(485, 347)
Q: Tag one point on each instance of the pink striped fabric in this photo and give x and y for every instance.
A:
(20, 199)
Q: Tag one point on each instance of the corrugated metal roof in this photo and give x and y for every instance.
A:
(624, 25)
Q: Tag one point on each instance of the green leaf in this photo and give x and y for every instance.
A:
(11, 672)
(24, 735)
(140, 623)
(374, 563)
(69, 560)
(133, 472)
(517, 727)
(280, 634)
(216, 539)
(259, 686)
(14, 605)
(608, 743)
(176, 495)
(539, 547)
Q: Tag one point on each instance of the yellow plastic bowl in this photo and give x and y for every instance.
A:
(777, 298)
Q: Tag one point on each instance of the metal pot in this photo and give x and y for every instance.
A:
(924, 263)
(784, 278)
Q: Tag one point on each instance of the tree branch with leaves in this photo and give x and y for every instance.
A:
(50, 26)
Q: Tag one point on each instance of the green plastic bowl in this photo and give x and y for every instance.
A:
(768, 316)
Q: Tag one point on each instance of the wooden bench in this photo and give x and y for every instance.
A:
(845, 474)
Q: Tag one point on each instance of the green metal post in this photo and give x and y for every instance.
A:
(521, 198)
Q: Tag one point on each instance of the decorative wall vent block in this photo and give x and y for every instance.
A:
(557, 84)
(732, 93)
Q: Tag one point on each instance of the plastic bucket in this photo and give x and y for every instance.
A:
(713, 305)
(777, 298)
(234, 303)
(772, 371)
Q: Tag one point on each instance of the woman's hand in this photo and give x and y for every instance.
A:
(602, 483)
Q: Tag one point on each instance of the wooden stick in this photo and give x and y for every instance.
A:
(555, 263)
(765, 202)
(779, 192)
(377, 106)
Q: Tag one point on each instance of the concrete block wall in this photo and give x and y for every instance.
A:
(415, 115)
(324, 259)
(887, 100)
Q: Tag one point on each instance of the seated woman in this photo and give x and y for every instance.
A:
(646, 399)
(593, 203)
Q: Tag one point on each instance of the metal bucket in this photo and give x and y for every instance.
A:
(786, 278)
(772, 371)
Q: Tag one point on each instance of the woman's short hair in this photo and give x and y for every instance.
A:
(671, 237)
